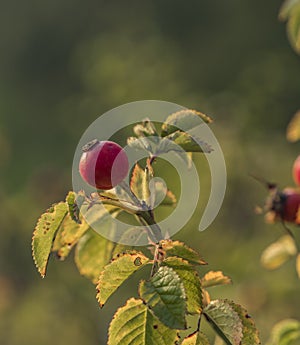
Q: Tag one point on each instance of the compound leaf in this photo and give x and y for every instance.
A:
(134, 324)
(190, 280)
(116, 272)
(44, 233)
(164, 294)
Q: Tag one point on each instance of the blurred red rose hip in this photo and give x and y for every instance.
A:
(291, 204)
(296, 171)
(103, 164)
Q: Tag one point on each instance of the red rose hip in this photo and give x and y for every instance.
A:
(291, 204)
(296, 171)
(103, 164)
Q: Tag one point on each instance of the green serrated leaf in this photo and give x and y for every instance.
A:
(183, 120)
(176, 248)
(187, 143)
(164, 294)
(134, 324)
(293, 129)
(92, 253)
(225, 320)
(250, 333)
(44, 234)
(190, 280)
(213, 278)
(285, 332)
(116, 272)
(196, 338)
(68, 235)
(279, 252)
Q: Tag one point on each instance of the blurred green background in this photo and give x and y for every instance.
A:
(63, 63)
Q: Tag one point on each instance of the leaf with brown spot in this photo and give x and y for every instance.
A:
(135, 324)
(116, 272)
(68, 235)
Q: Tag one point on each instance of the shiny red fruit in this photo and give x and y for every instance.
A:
(296, 171)
(103, 164)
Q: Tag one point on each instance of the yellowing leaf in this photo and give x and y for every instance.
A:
(293, 29)
(116, 272)
(213, 278)
(287, 8)
(44, 233)
(176, 248)
(276, 254)
(68, 235)
(290, 11)
(205, 298)
(164, 294)
(134, 324)
(139, 183)
(293, 129)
